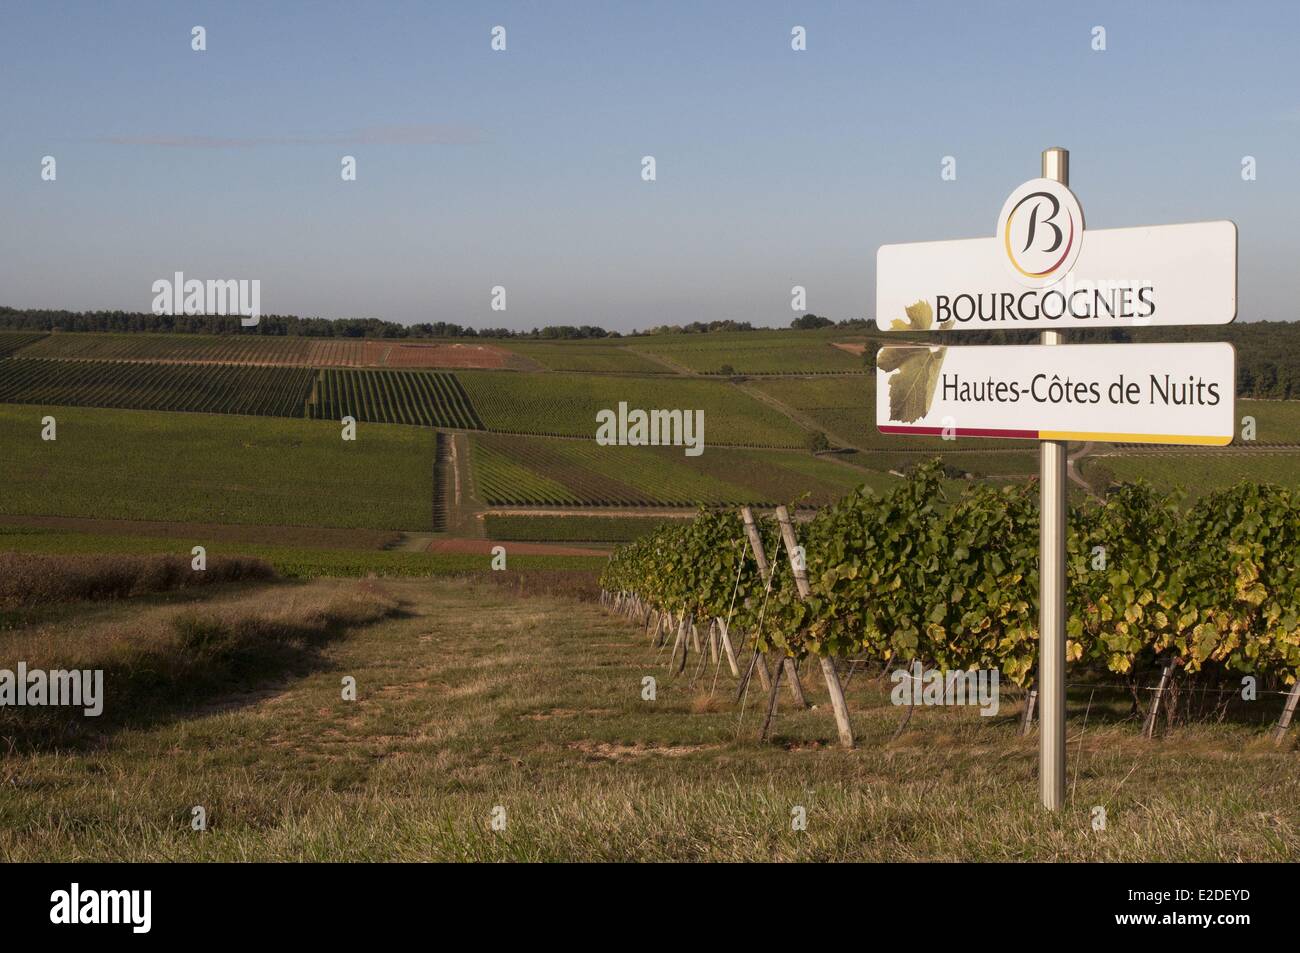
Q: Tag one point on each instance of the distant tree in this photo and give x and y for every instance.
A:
(817, 442)
(727, 370)
(810, 322)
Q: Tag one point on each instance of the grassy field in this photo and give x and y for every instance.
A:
(119, 464)
(471, 698)
(295, 562)
(556, 405)
(515, 471)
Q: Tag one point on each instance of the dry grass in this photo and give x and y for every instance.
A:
(32, 580)
(473, 698)
(158, 661)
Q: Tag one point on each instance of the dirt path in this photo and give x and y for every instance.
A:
(672, 365)
(1073, 473)
(798, 417)
(415, 542)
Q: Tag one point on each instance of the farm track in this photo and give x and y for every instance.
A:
(800, 418)
(679, 369)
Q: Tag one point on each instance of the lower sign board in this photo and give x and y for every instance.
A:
(1117, 393)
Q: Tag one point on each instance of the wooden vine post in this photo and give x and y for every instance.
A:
(1149, 728)
(787, 665)
(827, 663)
(724, 636)
(1292, 698)
(1027, 722)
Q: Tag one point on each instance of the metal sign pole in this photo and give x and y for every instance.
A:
(1051, 584)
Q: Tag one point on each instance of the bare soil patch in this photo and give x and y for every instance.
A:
(622, 752)
(446, 355)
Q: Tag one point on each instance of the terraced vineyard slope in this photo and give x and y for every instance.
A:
(770, 352)
(252, 348)
(560, 405)
(426, 398)
(11, 341)
(200, 468)
(218, 389)
(535, 471)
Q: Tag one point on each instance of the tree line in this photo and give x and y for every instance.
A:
(289, 325)
(1268, 352)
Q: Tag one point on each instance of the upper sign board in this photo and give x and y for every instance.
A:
(1043, 270)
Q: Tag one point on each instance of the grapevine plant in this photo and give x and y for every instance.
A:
(952, 580)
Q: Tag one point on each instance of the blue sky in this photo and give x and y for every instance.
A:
(479, 168)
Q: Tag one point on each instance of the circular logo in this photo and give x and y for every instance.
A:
(1040, 232)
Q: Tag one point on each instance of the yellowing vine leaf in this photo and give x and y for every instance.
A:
(911, 390)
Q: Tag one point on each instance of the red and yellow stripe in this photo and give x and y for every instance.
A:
(1200, 440)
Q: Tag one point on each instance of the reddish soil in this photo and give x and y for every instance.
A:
(851, 348)
(446, 355)
(484, 547)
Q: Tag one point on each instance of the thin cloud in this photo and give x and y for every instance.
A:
(411, 134)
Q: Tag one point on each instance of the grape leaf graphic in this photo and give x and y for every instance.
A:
(920, 317)
(911, 390)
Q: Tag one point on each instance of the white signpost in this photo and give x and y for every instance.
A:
(1043, 270)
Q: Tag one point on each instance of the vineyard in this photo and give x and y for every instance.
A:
(192, 348)
(217, 389)
(566, 406)
(846, 407)
(775, 352)
(587, 358)
(11, 341)
(425, 398)
(269, 350)
(577, 529)
(917, 575)
(134, 465)
(521, 471)
(1200, 472)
